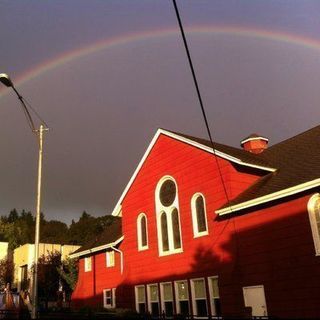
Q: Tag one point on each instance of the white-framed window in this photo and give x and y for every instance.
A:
(182, 297)
(168, 218)
(214, 296)
(199, 298)
(140, 297)
(166, 295)
(110, 261)
(153, 299)
(109, 298)
(142, 232)
(314, 217)
(87, 264)
(199, 215)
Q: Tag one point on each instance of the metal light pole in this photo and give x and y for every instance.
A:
(4, 78)
(37, 229)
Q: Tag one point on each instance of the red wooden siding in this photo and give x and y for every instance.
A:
(194, 171)
(271, 246)
(90, 285)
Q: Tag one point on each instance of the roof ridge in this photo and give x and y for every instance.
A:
(194, 137)
(238, 153)
(292, 138)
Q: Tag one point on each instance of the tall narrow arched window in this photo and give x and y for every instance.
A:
(314, 216)
(168, 219)
(142, 232)
(199, 216)
(164, 231)
(176, 229)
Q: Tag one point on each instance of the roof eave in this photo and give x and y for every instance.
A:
(270, 197)
(96, 249)
(117, 209)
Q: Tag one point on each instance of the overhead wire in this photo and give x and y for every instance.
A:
(204, 113)
(35, 112)
(24, 105)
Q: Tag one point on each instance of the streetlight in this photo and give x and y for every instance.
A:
(4, 78)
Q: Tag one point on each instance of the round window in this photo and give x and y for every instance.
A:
(167, 193)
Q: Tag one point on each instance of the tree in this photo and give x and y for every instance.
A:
(18, 229)
(6, 271)
(48, 276)
(69, 273)
(54, 231)
(82, 231)
(13, 216)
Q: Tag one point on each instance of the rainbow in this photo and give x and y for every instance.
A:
(109, 43)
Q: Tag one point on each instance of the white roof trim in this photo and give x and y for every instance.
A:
(117, 208)
(190, 142)
(254, 138)
(215, 151)
(100, 248)
(270, 197)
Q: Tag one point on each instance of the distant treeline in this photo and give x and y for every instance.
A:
(18, 229)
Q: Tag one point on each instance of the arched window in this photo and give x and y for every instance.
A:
(164, 231)
(314, 216)
(168, 220)
(199, 216)
(142, 232)
(176, 229)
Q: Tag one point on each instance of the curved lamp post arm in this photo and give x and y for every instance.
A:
(5, 79)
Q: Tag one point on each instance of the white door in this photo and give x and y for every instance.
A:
(254, 297)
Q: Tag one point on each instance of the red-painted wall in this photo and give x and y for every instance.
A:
(90, 285)
(194, 171)
(274, 247)
(271, 247)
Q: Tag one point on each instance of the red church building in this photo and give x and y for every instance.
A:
(209, 231)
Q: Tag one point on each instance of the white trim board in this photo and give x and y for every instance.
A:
(117, 211)
(254, 138)
(270, 197)
(96, 249)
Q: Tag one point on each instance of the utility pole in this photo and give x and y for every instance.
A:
(34, 311)
(5, 79)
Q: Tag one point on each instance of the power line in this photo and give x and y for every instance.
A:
(207, 124)
(200, 98)
(35, 113)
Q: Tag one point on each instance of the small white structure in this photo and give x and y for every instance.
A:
(23, 258)
(3, 250)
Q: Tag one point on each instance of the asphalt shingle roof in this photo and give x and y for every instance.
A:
(296, 160)
(110, 234)
(241, 154)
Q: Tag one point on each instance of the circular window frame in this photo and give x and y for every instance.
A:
(165, 203)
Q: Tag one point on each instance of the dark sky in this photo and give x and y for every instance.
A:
(104, 108)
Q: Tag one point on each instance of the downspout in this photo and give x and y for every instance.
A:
(94, 275)
(121, 257)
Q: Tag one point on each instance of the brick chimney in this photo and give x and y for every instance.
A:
(255, 143)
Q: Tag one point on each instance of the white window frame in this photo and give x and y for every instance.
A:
(136, 296)
(87, 264)
(162, 284)
(149, 296)
(196, 232)
(110, 259)
(211, 296)
(176, 291)
(313, 223)
(193, 298)
(139, 234)
(160, 208)
(113, 298)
